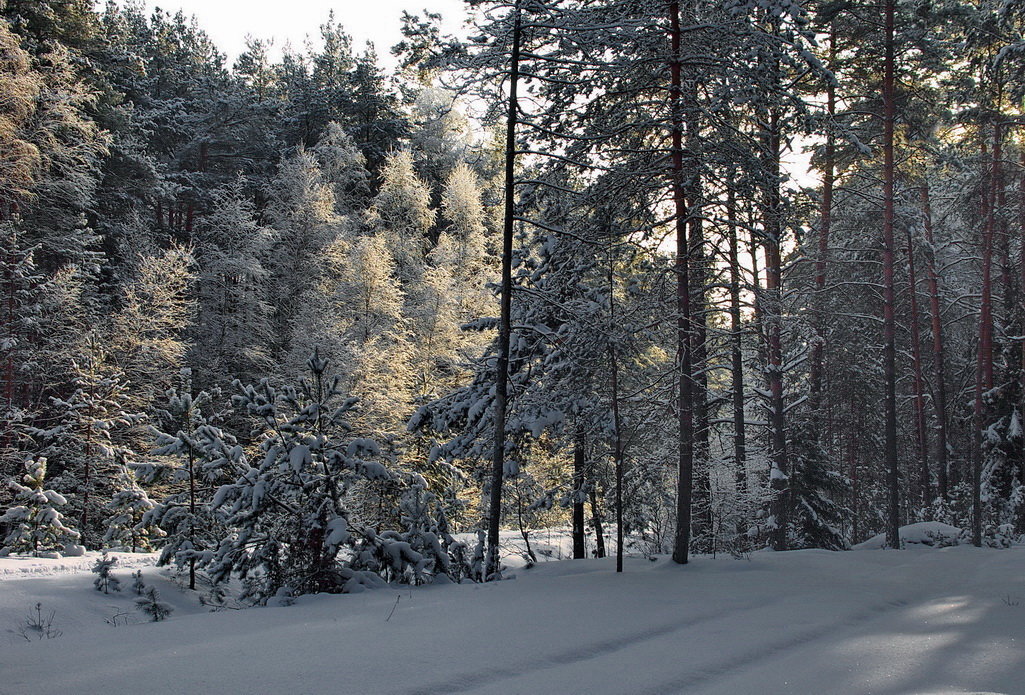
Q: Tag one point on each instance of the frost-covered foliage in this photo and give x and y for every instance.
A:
(402, 212)
(130, 524)
(423, 551)
(185, 436)
(288, 510)
(291, 518)
(235, 334)
(149, 603)
(344, 167)
(36, 525)
(161, 209)
(105, 581)
(83, 437)
(815, 492)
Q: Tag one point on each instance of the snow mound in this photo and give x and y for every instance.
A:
(925, 533)
(26, 566)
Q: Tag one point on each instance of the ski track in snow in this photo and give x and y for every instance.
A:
(470, 681)
(700, 677)
(802, 623)
(503, 679)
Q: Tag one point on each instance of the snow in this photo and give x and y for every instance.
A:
(925, 533)
(947, 620)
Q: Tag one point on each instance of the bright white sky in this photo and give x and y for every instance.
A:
(229, 21)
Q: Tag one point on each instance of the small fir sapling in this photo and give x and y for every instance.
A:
(35, 524)
(138, 586)
(105, 581)
(191, 440)
(86, 423)
(216, 598)
(424, 551)
(426, 532)
(150, 604)
(131, 525)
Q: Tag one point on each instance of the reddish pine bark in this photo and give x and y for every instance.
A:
(772, 312)
(984, 361)
(1021, 310)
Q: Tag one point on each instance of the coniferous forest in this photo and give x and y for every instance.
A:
(691, 277)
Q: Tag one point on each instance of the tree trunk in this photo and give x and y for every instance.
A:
(617, 453)
(192, 515)
(921, 432)
(756, 292)
(579, 462)
(11, 335)
(702, 505)
(854, 433)
(685, 415)
(505, 324)
(984, 361)
(938, 358)
(825, 222)
(599, 529)
(617, 435)
(772, 311)
(736, 350)
(889, 321)
(1021, 324)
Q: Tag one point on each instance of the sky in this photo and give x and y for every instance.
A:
(228, 22)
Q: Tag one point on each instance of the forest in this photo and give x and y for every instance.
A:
(685, 277)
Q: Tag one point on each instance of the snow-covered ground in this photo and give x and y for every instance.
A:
(925, 620)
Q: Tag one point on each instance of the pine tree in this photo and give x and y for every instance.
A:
(301, 213)
(345, 168)
(147, 337)
(185, 433)
(402, 214)
(231, 333)
(105, 581)
(288, 515)
(83, 437)
(149, 603)
(35, 524)
(130, 524)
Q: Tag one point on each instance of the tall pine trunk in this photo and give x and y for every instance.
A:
(579, 462)
(698, 309)
(617, 434)
(889, 321)
(736, 349)
(772, 311)
(984, 359)
(599, 526)
(685, 415)
(938, 357)
(505, 321)
(921, 431)
(1021, 324)
(825, 223)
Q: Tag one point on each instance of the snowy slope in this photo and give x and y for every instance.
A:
(946, 620)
